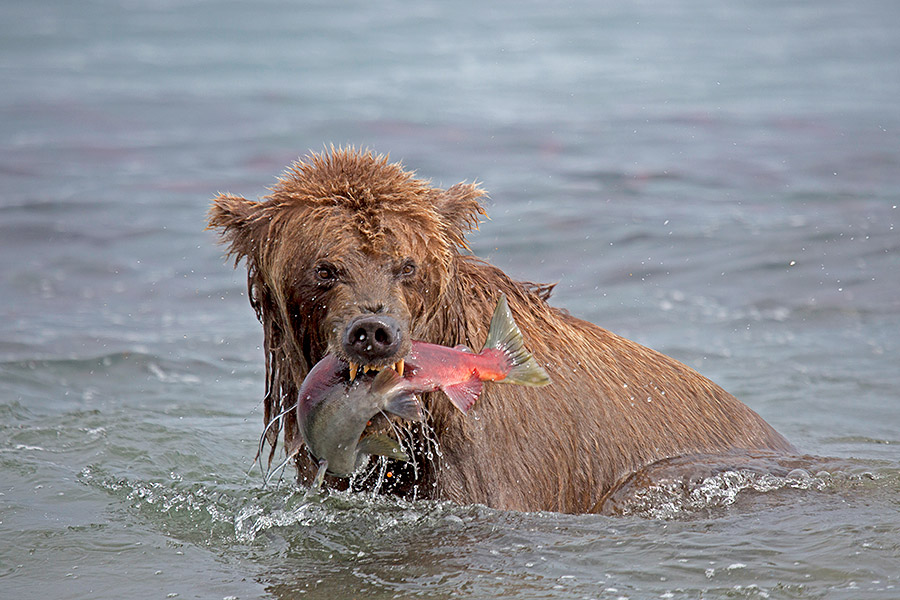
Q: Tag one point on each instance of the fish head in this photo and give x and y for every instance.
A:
(335, 414)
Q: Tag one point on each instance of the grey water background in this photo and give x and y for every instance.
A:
(718, 181)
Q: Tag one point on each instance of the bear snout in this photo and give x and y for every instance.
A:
(372, 339)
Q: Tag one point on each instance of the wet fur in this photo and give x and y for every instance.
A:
(614, 406)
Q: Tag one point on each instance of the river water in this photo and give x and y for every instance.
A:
(718, 181)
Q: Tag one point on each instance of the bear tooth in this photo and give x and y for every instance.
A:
(353, 369)
(398, 366)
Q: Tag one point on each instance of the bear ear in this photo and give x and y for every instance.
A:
(237, 220)
(461, 210)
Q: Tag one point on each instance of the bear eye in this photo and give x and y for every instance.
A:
(408, 269)
(325, 273)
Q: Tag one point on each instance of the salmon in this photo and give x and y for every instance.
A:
(335, 405)
(459, 372)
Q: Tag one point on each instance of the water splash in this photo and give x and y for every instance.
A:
(192, 512)
(299, 509)
(671, 498)
(214, 515)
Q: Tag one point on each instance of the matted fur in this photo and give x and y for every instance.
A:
(336, 237)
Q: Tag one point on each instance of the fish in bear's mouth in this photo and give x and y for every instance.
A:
(344, 406)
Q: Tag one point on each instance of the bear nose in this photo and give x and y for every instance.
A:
(371, 338)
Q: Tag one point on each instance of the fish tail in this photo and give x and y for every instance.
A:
(504, 335)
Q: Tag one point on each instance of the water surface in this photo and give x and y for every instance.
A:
(718, 182)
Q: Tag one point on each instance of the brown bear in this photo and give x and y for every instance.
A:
(350, 247)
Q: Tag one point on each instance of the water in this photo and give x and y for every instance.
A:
(719, 182)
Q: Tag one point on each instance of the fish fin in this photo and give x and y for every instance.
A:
(504, 335)
(382, 445)
(319, 479)
(398, 400)
(406, 406)
(384, 381)
(463, 395)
